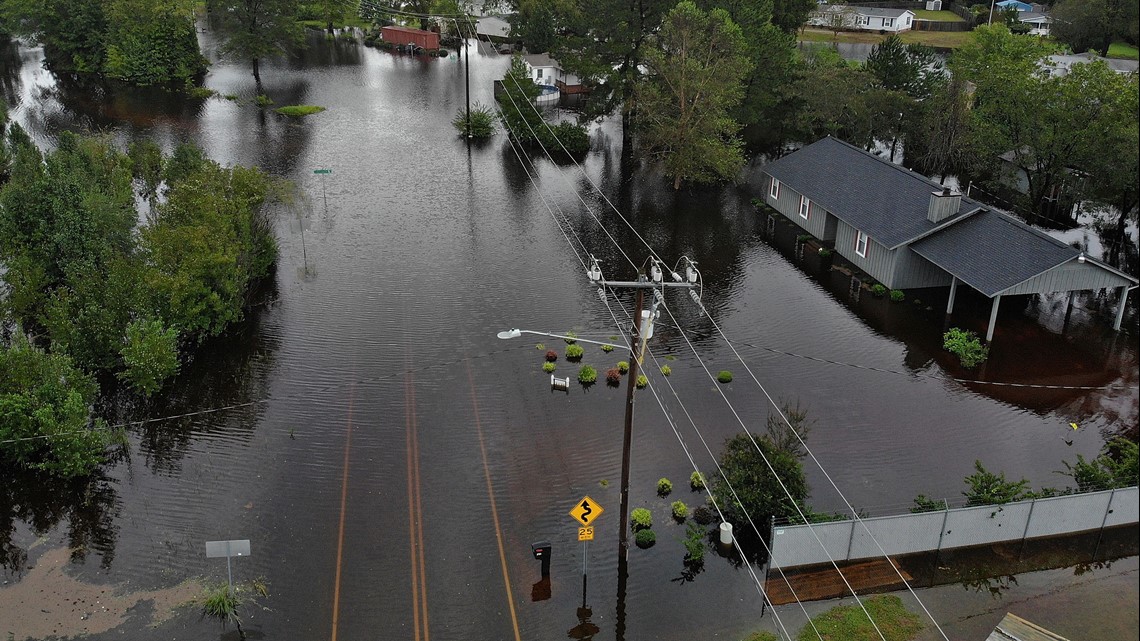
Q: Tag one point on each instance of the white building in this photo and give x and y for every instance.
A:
(863, 18)
(546, 71)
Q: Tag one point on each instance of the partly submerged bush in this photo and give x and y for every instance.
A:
(549, 367)
(645, 539)
(587, 375)
(897, 295)
(697, 481)
(482, 121)
(640, 519)
(664, 487)
(574, 352)
(878, 290)
(680, 510)
(642, 381)
(551, 355)
(613, 377)
(724, 376)
(965, 345)
(623, 366)
(666, 370)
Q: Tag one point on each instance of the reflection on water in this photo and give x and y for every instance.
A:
(427, 249)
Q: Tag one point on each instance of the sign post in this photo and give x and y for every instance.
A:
(217, 549)
(324, 196)
(584, 512)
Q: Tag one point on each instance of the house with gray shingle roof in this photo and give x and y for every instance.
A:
(908, 232)
(862, 18)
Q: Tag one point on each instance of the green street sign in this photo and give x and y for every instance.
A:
(322, 171)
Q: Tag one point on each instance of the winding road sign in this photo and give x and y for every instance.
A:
(585, 511)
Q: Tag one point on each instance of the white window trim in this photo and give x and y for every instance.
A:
(866, 240)
(888, 22)
(774, 189)
(805, 207)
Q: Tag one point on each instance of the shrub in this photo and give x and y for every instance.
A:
(680, 510)
(897, 295)
(824, 252)
(878, 290)
(756, 202)
(221, 603)
(551, 355)
(482, 121)
(572, 136)
(694, 543)
(623, 366)
(587, 375)
(703, 515)
(232, 97)
(666, 370)
(571, 337)
(607, 348)
(540, 346)
(724, 376)
(640, 519)
(201, 93)
(549, 367)
(264, 100)
(642, 381)
(803, 238)
(664, 487)
(298, 111)
(613, 377)
(645, 539)
(574, 352)
(697, 481)
(965, 345)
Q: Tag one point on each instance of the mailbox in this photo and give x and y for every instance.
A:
(541, 552)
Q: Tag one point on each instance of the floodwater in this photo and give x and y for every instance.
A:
(392, 461)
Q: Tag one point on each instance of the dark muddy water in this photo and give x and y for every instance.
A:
(368, 407)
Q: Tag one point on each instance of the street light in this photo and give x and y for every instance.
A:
(515, 333)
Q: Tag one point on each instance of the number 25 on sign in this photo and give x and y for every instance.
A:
(586, 533)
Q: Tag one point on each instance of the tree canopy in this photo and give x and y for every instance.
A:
(695, 65)
(258, 29)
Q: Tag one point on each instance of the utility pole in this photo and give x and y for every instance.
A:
(627, 439)
(467, 76)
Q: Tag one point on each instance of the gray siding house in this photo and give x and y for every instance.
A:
(908, 232)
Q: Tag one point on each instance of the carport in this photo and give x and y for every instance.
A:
(998, 256)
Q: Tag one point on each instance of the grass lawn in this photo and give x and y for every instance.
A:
(1123, 50)
(848, 623)
(949, 39)
(938, 16)
(298, 111)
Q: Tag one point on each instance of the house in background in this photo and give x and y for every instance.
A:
(908, 232)
(862, 18)
(1039, 23)
(1016, 5)
(1061, 64)
(545, 70)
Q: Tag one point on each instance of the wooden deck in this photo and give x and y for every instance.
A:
(823, 582)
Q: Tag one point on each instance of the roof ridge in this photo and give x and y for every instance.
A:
(899, 168)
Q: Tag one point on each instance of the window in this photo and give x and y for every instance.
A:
(538, 73)
(774, 190)
(888, 22)
(908, 21)
(861, 243)
(805, 207)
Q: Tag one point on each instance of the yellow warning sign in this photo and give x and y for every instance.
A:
(586, 533)
(585, 511)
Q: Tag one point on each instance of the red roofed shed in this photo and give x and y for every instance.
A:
(428, 40)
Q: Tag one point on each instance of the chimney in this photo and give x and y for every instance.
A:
(943, 204)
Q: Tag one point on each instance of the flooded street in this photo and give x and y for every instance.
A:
(391, 460)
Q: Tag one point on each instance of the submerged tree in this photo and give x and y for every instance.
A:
(695, 70)
(257, 29)
(913, 69)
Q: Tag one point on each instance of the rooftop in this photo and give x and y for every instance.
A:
(540, 60)
(886, 201)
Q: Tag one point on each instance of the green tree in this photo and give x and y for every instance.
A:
(912, 69)
(695, 70)
(828, 98)
(150, 355)
(987, 488)
(791, 15)
(258, 29)
(521, 119)
(73, 33)
(759, 491)
(333, 12)
(1117, 466)
(939, 136)
(1092, 25)
(605, 41)
(535, 23)
(152, 41)
(44, 420)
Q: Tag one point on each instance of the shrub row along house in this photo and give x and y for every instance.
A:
(908, 232)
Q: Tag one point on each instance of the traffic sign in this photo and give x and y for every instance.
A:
(322, 171)
(586, 533)
(585, 511)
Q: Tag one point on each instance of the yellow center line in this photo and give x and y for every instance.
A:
(343, 505)
(419, 506)
(411, 509)
(494, 508)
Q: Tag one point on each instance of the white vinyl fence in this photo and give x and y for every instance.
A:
(794, 545)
